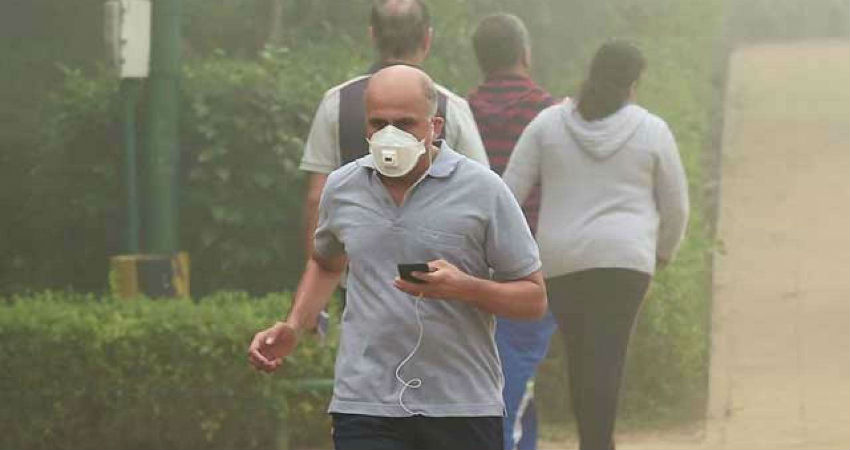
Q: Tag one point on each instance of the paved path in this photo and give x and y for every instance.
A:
(780, 373)
(780, 366)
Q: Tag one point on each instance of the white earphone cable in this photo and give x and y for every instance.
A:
(413, 383)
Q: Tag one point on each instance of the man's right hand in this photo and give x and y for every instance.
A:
(270, 346)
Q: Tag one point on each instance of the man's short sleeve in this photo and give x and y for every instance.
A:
(321, 151)
(510, 248)
(325, 241)
(462, 132)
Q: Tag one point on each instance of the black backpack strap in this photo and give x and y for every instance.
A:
(441, 111)
(352, 122)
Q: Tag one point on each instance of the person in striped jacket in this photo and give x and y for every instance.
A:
(503, 105)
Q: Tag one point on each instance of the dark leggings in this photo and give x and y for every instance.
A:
(596, 311)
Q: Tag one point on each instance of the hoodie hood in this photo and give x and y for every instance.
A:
(604, 137)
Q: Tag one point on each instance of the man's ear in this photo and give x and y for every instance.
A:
(437, 123)
(426, 41)
(633, 91)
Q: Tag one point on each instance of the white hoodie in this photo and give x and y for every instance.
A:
(614, 190)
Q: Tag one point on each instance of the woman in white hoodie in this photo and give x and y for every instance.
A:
(614, 208)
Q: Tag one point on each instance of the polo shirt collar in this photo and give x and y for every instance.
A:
(442, 167)
(445, 163)
(384, 64)
(508, 76)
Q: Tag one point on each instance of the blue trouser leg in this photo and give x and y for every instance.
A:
(522, 345)
(528, 440)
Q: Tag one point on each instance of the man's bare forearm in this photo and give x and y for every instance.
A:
(317, 284)
(523, 299)
(310, 213)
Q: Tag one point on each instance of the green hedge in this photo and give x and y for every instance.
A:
(82, 372)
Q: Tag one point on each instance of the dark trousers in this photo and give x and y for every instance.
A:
(359, 432)
(596, 311)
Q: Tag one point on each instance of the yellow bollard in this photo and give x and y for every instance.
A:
(149, 275)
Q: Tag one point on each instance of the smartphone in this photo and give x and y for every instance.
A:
(404, 271)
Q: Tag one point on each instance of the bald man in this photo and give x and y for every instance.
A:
(417, 366)
(401, 33)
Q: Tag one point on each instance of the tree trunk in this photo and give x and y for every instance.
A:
(275, 36)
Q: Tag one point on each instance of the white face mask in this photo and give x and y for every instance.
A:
(395, 151)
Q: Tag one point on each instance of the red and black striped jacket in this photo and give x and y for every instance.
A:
(503, 106)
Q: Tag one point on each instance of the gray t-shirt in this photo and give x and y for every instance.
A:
(461, 212)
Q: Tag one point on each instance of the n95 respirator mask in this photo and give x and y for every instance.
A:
(395, 151)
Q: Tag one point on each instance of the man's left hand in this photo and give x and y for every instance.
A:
(444, 281)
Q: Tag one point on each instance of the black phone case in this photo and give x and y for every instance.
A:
(404, 271)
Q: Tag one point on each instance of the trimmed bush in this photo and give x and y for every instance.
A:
(242, 132)
(83, 372)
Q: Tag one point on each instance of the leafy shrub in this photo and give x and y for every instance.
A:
(86, 372)
(778, 20)
(69, 212)
(242, 130)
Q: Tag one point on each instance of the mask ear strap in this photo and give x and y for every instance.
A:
(430, 165)
(425, 173)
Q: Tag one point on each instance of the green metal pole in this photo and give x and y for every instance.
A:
(130, 97)
(162, 155)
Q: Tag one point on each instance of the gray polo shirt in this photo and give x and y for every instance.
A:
(461, 212)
